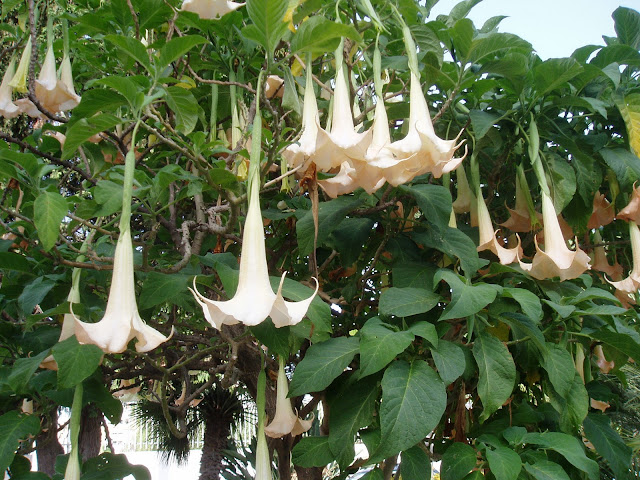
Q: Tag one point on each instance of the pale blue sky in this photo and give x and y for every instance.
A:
(555, 28)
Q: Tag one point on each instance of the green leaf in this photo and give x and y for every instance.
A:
(98, 100)
(134, 48)
(627, 25)
(425, 330)
(414, 274)
(379, 345)
(275, 339)
(351, 410)
(454, 243)
(608, 443)
(413, 401)
(546, 470)
(433, 200)
(48, 211)
(621, 341)
(427, 40)
(466, 300)
(108, 466)
(404, 302)
(458, 460)
(108, 195)
(323, 363)
(177, 47)
(624, 164)
(505, 464)
(529, 302)
(75, 362)
(462, 37)
(85, 128)
(127, 86)
(486, 47)
(319, 35)
(497, 373)
(22, 371)
(160, 288)
(330, 215)
(312, 452)
(15, 262)
(15, 427)
(185, 107)
(482, 121)
(522, 326)
(554, 72)
(34, 292)
(563, 181)
(268, 25)
(569, 447)
(558, 363)
(450, 361)
(415, 464)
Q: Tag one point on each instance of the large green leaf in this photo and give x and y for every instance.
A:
(15, 262)
(379, 345)
(34, 292)
(75, 362)
(529, 302)
(322, 363)
(15, 427)
(487, 47)
(177, 47)
(160, 288)
(546, 470)
(455, 244)
(465, 299)
(108, 465)
(319, 35)
(415, 464)
(555, 72)
(569, 447)
(450, 360)
(413, 400)
(458, 460)
(22, 371)
(352, 409)
(268, 22)
(85, 128)
(624, 164)
(433, 200)
(558, 363)
(497, 373)
(48, 211)
(505, 464)
(312, 452)
(608, 443)
(620, 341)
(185, 107)
(134, 48)
(627, 25)
(404, 302)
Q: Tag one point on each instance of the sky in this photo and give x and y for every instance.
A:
(555, 28)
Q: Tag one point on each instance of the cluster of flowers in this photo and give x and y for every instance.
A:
(53, 89)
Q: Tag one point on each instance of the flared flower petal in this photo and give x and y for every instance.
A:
(556, 260)
(285, 420)
(254, 299)
(274, 87)
(464, 196)
(66, 78)
(604, 365)
(488, 239)
(421, 151)
(630, 284)
(599, 260)
(603, 213)
(520, 218)
(8, 109)
(632, 211)
(121, 322)
(210, 9)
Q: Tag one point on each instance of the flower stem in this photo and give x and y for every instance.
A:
(127, 187)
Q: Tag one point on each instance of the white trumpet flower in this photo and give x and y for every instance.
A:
(8, 109)
(121, 322)
(285, 420)
(210, 9)
(488, 239)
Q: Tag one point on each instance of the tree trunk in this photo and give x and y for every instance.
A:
(90, 439)
(314, 473)
(47, 445)
(216, 433)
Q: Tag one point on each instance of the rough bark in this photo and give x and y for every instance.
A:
(314, 473)
(47, 445)
(216, 433)
(90, 439)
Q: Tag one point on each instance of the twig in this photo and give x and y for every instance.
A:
(135, 19)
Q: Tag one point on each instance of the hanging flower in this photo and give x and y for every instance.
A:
(285, 420)
(488, 239)
(8, 109)
(556, 260)
(210, 9)
(263, 459)
(632, 211)
(629, 286)
(604, 365)
(464, 196)
(121, 322)
(603, 213)
(520, 217)
(254, 299)
(599, 260)
(19, 80)
(66, 77)
(421, 151)
(274, 87)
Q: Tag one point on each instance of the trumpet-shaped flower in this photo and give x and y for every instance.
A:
(8, 109)
(488, 239)
(604, 365)
(632, 211)
(54, 94)
(630, 284)
(19, 80)
(520, 219)
(465, 195)
(556, 260)
(121, 322)
(66, 77)
(599, 260)
(210, 9)
(274, 87)
(421, 151)
(602, 214)
(285, 420)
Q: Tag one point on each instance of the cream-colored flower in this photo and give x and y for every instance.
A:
(19, 80)
(632, 211)
(464, 196)
(254, 300)
(285, 420)
(520, 218)
(602, 214)
(630, 284)
(66, 77)
(599, 260)
(488, 239)
(263, 462)
(121, 322)
(73, 470)
(421, 151)
(8, 109)
(210, 9)
(556, 260)
(604, 365)
(274, 87)
(54, 94)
